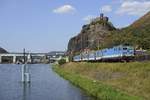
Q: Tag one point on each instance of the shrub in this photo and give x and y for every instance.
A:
(61, 61)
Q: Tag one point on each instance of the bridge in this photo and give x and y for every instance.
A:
(31, 58)
(16, 57)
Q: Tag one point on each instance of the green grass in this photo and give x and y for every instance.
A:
(81, 76)
(132, 78)
(148, 51)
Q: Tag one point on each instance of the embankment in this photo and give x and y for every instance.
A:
(110, 81)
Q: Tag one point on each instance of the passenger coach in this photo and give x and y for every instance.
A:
(117, 53)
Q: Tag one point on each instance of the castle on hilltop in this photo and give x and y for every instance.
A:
(91, 35)
(101, 18)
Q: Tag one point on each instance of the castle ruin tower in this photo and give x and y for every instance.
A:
(101, 16)
(106, 19)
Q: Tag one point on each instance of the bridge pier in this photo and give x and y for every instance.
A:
(14, 59)
(0, 59)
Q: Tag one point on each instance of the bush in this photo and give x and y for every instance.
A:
(61, 61)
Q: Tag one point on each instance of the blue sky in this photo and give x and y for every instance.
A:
(47, 25)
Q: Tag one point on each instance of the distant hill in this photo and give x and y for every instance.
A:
(142, 23)
(136, 34)
(3, 50)
(141, 31)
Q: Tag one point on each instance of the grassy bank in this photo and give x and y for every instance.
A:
(110, 81)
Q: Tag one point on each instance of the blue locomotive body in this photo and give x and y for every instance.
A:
(77, 58)
(85, 56)
(116, 53)
(92, 56)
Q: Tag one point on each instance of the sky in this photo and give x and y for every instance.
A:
(47, 25)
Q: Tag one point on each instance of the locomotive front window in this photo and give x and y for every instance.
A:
(124, 48)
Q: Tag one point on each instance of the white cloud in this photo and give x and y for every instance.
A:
(134, 7)
(65, 9)
(106, 9)
(89, 18)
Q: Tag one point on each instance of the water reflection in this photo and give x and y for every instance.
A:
(26, 91)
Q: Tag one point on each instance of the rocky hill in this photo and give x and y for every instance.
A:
(3, 50)
(100, 33)
(91, 36)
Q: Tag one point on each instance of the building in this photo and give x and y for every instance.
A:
(55, 55)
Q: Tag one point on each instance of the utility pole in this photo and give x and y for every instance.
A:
(81, 46)
(24, 56)
(25, 70)
(98, 44)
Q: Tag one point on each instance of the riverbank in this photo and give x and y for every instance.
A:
(114, 81)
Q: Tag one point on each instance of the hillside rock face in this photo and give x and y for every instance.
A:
(3, 50)
(91, 36)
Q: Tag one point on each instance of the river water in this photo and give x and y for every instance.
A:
(45, 85)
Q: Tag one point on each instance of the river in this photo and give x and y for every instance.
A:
(45, 84)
